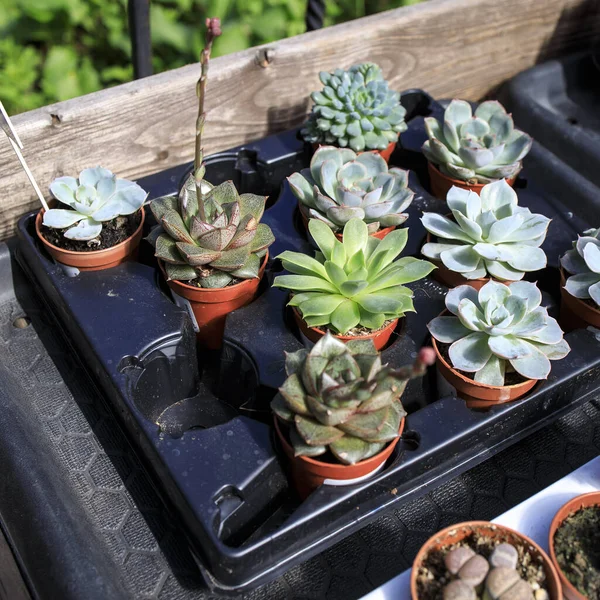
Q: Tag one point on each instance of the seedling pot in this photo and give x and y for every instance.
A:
(98, 259)
(456, 533)
(577, 503)
(309, 473)
(440, 184)
(380, 337)
(479, 395)
(211, 306)
(574, 312)
(385, 154)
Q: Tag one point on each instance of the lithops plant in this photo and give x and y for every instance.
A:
(477, 148)
(356, 281)
(582, 263)
(340, 397)
(212, 240)
(340, 186)
(500, 328)
(355, 109)
(491, 235)
(96, 197)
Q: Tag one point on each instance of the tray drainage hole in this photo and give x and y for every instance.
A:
(411, 439)
(22, 322)
(572, 121)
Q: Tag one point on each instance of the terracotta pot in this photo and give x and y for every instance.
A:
(456, 533)
(479, 395)
(583, 501)
(575, 313)
(211, 306)
(378, 234)
(440, 184)
(309, 473)
(314, 334)
(97, 259)
(385, 154)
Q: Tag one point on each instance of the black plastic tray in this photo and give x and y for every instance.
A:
(214, 460)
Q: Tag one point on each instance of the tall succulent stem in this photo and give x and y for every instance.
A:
(213, 30)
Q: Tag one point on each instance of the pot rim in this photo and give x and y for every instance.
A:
(573, 505)
(38, 223)
(463, 183)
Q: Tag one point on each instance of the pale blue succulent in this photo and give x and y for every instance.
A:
(491, 235)
(583, 264)
(96, 197)
(501, 327)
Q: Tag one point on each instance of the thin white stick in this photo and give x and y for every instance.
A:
(10, 126)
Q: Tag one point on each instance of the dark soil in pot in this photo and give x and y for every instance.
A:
(113, 232)
(577, 549)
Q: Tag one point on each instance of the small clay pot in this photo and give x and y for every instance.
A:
(212, 305)
(456, 533)
(380, 234)
(314, 334)
(440, 184)
(574, 312)
(97, 259)
(577, 503)
(309, 473)
(385, 154)
(479, 395)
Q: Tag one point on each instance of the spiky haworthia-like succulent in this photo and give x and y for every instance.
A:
(480, 147)
(501, 326)
(341, 185)
(339, 397)
(212, 243)
(96, 197)
(490, 235)
(357, 109)
(583, 264)
(353, 282)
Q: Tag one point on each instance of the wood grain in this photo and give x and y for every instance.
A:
(459, 48)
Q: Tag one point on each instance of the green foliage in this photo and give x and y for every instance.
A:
(52, 50)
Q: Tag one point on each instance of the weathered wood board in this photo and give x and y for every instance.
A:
(459, 48)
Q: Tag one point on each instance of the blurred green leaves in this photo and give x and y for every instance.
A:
(52, 50)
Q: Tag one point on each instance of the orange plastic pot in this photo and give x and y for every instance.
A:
(211, 306)
(97, 259)
(380, 337)
(574, 312)
(385, 154)
(457, 533)
(309, 473)
(440, 184)
(583, 501)
(378, 234)
(479, 395)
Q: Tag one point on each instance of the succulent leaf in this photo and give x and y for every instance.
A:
(582, 264)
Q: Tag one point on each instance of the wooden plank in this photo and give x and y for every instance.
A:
(460, 48)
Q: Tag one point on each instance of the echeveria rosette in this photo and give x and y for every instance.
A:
(582, 263)
(490, 235)
(355, 109)
(340, 397)
(498, 326)
(480, 147)
(339, 186)
(356, 281)
(95, 197)
(228, 243)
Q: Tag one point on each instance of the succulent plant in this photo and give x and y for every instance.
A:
(357, 109)
(227, 244)
(480, 147)
(501, 327)
(490, 235)
(353, 282)
(341, 185)
(583, 264)
(339, 397)
(95, 197)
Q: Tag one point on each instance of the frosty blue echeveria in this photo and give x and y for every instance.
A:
(339, 185)
(480, 147)
(96, 197)
(490, 234)
(497, 328)
(582, 263)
